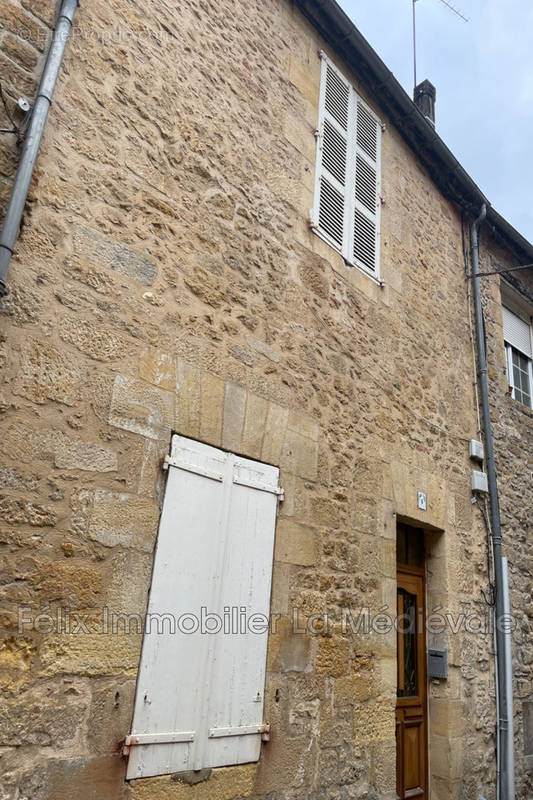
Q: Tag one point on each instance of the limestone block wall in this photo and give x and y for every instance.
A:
(166, 280)
(513, 434)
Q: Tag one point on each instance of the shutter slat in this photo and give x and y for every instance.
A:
(366, 185)
(367, 134)
(331, 211)
(337, 97)
(334, 153)
(364, 249)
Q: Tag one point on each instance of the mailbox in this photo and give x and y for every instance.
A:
(437, 663)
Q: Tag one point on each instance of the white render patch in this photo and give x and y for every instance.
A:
(120, 518)
(76, 454)
(141, 408)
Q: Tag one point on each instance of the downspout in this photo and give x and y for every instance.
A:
(509, 673)
(502, 668)
(32, 143)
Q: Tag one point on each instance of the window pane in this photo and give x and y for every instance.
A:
(521, 379)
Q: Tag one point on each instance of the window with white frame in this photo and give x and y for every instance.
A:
(518, 337)
(347, 203)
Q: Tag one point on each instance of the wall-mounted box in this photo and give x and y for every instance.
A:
(477, 451)
(437, 663)
(480, 481)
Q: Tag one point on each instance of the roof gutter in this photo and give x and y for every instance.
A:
(339, 31)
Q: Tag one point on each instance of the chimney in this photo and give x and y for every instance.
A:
(424, 99)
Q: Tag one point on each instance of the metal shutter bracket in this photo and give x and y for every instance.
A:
(219, 476)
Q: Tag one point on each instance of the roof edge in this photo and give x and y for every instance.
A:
(339, 31)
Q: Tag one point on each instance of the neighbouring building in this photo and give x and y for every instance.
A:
(238, 394)
(508, 305)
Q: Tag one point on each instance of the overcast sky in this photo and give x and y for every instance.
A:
(483, 72)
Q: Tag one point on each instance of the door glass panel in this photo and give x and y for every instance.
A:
(407, 645)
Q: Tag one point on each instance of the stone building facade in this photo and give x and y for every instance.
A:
(513, 432)
(167, 280)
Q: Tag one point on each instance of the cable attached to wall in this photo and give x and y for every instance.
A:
(17, 130)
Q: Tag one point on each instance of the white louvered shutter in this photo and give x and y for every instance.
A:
(331, 194)
(367, 211)
(347, 187)
(517, 332)
(199, 699)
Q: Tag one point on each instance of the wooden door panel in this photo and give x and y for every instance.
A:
(414, 757)
(411, 705)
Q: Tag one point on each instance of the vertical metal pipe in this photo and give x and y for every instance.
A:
(509, 673)
(501, 673)
(32, 143)
(414, 42)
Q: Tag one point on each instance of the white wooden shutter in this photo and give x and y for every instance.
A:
(367, 211)
(199, 699)
(332, 207)
(347, 203)
(517, 332)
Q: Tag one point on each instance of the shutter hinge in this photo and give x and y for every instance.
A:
(171, 461)
(156, 738)
(188, 736)
(261, 487)
(240, 730)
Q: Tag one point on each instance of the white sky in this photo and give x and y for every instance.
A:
(483, 72)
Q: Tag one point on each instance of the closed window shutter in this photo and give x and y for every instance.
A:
(199, 699)
(331, 207)
(367, 210)
(517, 332)
(347, 190)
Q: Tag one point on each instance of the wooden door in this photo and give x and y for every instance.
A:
(411, 704)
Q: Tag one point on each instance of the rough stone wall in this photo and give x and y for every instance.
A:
(25, 32)
(166, 280)
(513, 438)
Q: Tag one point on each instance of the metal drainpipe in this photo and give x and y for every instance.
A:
(504, 781)
(10, 228)
(509, 662)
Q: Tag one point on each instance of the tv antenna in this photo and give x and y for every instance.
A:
(445, 3)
